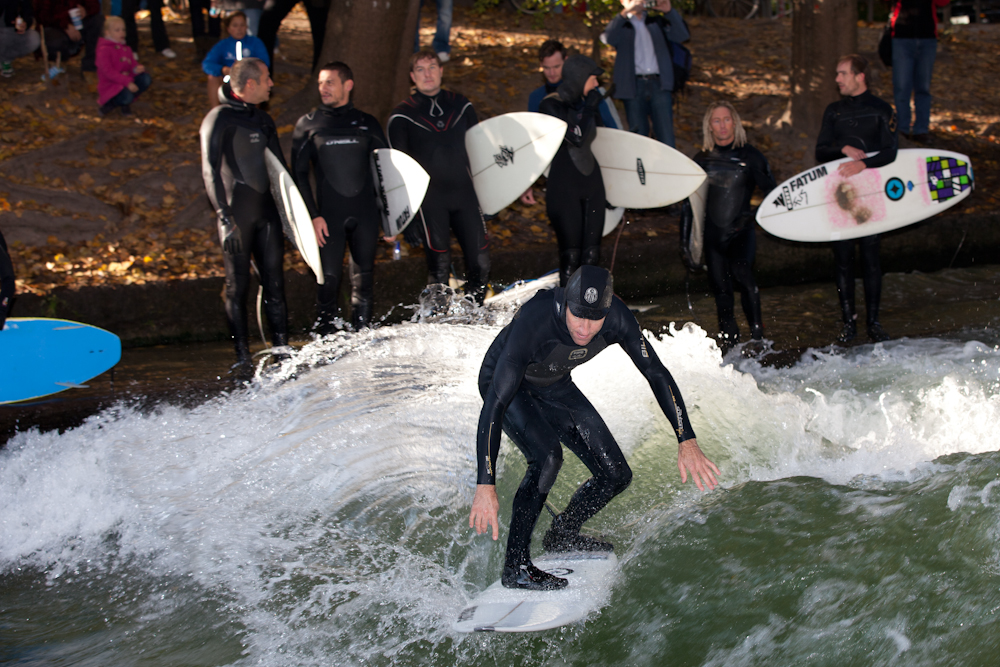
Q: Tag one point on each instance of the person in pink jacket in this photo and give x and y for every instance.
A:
(120, 78)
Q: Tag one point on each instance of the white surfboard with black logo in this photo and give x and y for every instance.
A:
(499, 609)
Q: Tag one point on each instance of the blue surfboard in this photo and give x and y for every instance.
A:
(42, 356)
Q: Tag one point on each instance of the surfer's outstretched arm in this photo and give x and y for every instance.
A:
(484, 510)
(690, 459)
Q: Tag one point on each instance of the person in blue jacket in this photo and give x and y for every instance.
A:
(240, 44)
(644, 68)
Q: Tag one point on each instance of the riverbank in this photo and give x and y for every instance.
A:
(109, 224)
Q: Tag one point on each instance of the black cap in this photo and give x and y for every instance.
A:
(589, 291)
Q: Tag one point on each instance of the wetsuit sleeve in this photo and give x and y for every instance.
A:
(212, 135)
(396, 132)
(888, 141)
(303, 152)
(378, 136)
(827, 149)
(667, 393)
(761, 171)
(215, 60)
(497, 395)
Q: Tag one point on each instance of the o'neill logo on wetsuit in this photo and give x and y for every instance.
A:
(337, 142)
(578, 354)
(504, 157)
(639, 169)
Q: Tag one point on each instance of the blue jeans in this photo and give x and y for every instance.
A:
(126, 96)
(443, 33)
(253, 20)
(912, 66)
(651, 101)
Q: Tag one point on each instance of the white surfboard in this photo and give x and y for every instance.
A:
(699, 202)
(402, 184)
(640, 172)
(508, 153)
(294, 215)
(612, 216)
(820, 205)
(518, 293)
(499, 609)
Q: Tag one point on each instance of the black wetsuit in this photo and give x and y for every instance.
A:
(234, 136)
(432, 131)
(574, 194)
(730, 241)
(527, 389)
(7, 283)
(338, 144)
(868, 123)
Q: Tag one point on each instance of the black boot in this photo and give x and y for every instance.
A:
(876, 333)
(529, 577)
(849, 332)
(243, 368)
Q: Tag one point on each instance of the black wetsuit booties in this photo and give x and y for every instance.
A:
(868, 123)
(574, 197)
(432, 131)
(527, 389)
(234, 136)
(338, 144)
(7, 282)
(730, 241)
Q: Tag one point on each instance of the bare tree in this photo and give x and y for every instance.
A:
(374, 37)
(822, 31)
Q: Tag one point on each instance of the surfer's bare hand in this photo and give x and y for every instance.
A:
(528, 198)
(690, 459)
(852, 168)
(484, 510)
(853, 153)
(322, 232)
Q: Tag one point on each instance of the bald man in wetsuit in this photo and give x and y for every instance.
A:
(858, 124)
(529, 394)
(234, 138)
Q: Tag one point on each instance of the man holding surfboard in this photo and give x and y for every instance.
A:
(529, 395)
(335, 141)
(430, 126)
(234, 138)
(856, 125)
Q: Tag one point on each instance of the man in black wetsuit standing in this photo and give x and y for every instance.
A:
(234, 138)
(430, 126)
(575, 198)
(336, 140)
(527, 390)
(734, 168)
(858, 124)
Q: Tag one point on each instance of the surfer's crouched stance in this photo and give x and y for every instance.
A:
(430, 127)
(527, 390)
(575, 198)
(337, 140)
(234, 136)
(734, 167)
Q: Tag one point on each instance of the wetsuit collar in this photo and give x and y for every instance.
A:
(435, 108)
(336, 111)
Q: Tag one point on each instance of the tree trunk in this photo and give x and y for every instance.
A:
(375, 38)
(822, 31)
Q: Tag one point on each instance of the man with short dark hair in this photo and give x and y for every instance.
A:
(528, 393)
(234, 138)
(430, 126)
(644, 66)
(335, 141)
(858, 124)
(552, 56)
